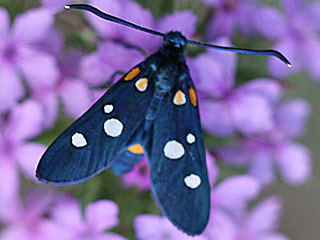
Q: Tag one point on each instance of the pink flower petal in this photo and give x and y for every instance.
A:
(270, 22)
(158, 228)
(133, 12)
(269, 210)
(222, 24)
(49, 105)
(261, 166)
(220, 226)
(14, 232)
(113, 7)
(28, 156)
(138, 178)
(213, 170)
(52, 231)
(266, 87)
(210, 77)
(250, 113)
(215, 118)
(55, 6)
(294, 163)
(292, 116)
(5, 23)
(110, 236)
(311, 56)
(154, 222)
(76, 97)
(68, 215)
(25, 121)
(116, 52)
(9, 191)
(40, 69)
(97, 74)
(11, 89)
(52, 43)
(32, 25)
(236, 154)
(234, 192)
(69, 65)
(313, 14)
(227, 59)
(289, 49)
(176, 22)
(102, 215)
(293, 7)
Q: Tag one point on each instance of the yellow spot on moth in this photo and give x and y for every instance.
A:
(133, 73)
(136, 149)
(179, 98)
(142, 84)
(193, 96)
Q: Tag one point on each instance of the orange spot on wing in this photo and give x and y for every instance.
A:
(136, 149)
(193, 96)
(179, 98)
(133, 73)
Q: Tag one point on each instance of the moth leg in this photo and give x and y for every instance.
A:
(113, 76)
(127, 45)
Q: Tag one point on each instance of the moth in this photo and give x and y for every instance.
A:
(151, 110)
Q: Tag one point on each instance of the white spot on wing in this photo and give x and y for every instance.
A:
(192, 181)
(173, 150)
(108, 108)
(142, 84)
(113, 127)
(78, 140)
(191, 138)
(179, 98)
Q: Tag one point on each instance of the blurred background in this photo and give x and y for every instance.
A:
(76, 44)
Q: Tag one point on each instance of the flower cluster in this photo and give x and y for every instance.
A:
(50, 74)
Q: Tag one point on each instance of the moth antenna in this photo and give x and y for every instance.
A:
(268, 52)
(111, 18)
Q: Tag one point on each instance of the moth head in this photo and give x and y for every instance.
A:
(175, 40)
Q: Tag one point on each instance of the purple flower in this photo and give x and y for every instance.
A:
(113, 55)
(257, 223)
(253, 227)
(98, 217)
(275, 148)
(296, 35)
(229, 15)
(229, 200)
(133, 12)
(27, 218)
(148, 226)
(55, 6)
(138, 176)
(16, 152)
(97, 68)
(19, 53)
(224, 108)
(73, 93)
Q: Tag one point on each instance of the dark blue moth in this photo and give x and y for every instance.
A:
(152, 109)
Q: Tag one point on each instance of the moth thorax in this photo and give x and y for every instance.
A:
(163, 85)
